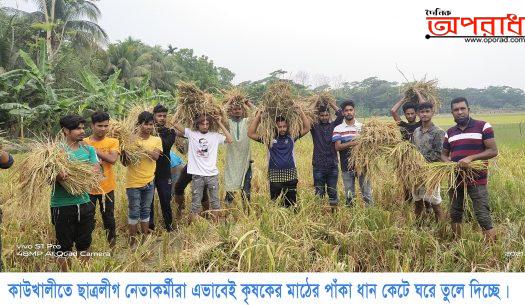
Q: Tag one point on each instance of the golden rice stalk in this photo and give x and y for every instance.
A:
(193, 102)
(279, 100)
(127, 132)
(38, 171)
(408, 163)
(428, 90)
(374, 142)
(434, 173)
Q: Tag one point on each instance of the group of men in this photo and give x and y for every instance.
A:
(74, 216)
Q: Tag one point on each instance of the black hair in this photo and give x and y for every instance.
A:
(410, 105)
(160, 108)
(280, 118)
(322, 109)
(71, 121)
(200, 118)
(145, 117)
(347, 103)
(425, 105)
(458, 100)
(99, 116)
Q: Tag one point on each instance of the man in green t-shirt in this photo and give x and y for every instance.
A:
(73, 216)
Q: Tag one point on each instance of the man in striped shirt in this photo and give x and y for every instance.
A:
(343, 137)
(468, 141)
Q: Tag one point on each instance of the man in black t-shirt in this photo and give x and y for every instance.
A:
(407, 128)
(163, 170)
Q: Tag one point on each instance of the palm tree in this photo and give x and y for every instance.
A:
(74, 21)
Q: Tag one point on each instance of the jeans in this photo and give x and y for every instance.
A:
(246, 188)
(325, 181)
(107, 210)
(288, 189)
(364, 186)
(199, 184)
(163, 187)
(139, 203)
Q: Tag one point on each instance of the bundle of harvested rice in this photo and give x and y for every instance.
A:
(192, 102)
(38, 172)
(426, 88)
(408, 163)
(374, 142)
(279, 100)
(127, 132)
(323, 99)
(434, 173)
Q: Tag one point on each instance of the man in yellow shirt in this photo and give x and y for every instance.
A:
(107, 151)
(139, 177)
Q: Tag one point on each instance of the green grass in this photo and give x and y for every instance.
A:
(269, 238)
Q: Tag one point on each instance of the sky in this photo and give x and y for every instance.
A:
(328, 40)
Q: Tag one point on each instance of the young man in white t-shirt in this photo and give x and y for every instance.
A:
(203, 146)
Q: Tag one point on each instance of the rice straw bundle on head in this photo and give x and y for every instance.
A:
(127, 132)
(193, 102)
(434, 173)
(374, 142)
(235, 97)
(314, 102)
(38, 171)
(426, 88)
(279, 101)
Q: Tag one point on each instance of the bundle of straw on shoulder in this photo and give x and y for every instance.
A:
(408, 163)
(44, 162)
(427, 89)
(279, 100)
(193, 102)
(235, 97)
(374, 142)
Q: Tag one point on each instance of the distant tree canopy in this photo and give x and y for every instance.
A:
(57, 60)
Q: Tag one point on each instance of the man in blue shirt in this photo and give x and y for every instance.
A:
(282, 172)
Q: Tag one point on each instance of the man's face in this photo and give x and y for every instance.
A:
(236, 112)
(160, 118)
(204, 126)
(76, 135)
(425, 115)
(349, 113)
(147, 127)
(410, 115)
(460, 112)
(100, 129)
(324, 117)
(282, 128)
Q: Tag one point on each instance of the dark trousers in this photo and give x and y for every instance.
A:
(288, 189)
(106, 204)
(246, 188)
(480, 203)
(163, 186)
(325, 181)
(74, 225)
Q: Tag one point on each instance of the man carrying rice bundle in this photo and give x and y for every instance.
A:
(282, 171)
(139, 177)
(238, 168)
(464, 143)
(324, 159)
(73, 215)
(429, 141)
(163, 182)
(6, 161)
(203, 147)
(343, 137)
(108, 151)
